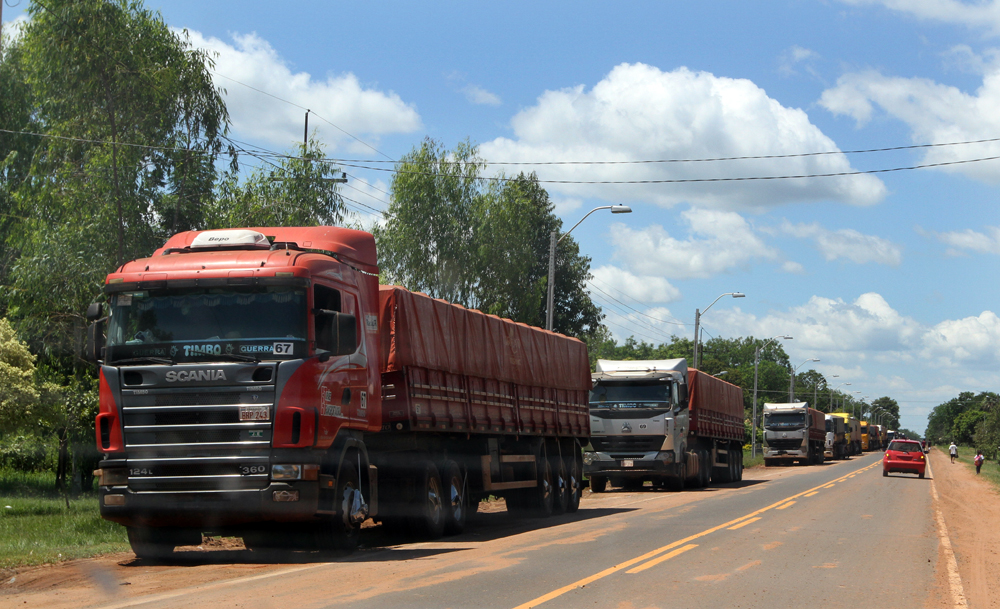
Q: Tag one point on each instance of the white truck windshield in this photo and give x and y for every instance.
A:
(631, 395)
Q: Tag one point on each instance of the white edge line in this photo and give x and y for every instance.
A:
(954, 577)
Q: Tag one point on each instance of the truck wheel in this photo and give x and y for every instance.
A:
(150, 544)
(575, 486)
(739, 467)
(455, 498)
(705, 469)
(343, 530)
(598, 484)
(429, 504)
(560, 501)
(542, 498)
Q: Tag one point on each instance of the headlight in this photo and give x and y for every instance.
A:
(589, 458)
(286, 472)
(667, 456)
(111, 477)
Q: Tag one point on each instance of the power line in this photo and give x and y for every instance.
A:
(676, 323)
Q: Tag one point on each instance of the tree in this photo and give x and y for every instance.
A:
(941, 421)
(134, 126)
(964, 425)
(480, 243)
(18, 394)
(890, 408)
(301, 191)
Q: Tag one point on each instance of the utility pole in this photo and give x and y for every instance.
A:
(305, 132)
(550, 296)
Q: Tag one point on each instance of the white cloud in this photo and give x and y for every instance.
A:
(795, 56)
(973, 341)
(615, 281)
(981, 14)
(564, 205)
(341, 99)
(793, 267)
(718, 241)
(935, 114)
(638, 112)
(480, 96)
(653, 326)
(848, 243)
(987, 242)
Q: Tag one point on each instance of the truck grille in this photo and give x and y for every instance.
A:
(192, 439)
(626, 443)
(785, 443)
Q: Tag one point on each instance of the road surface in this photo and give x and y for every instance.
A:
(836, 535)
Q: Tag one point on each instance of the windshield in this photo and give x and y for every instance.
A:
(905, 447)
(630, 395)
(784, 419)
(201, 324)
(831, 425)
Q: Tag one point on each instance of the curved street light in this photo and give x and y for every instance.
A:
(791, 380)
(554, 240)
(697, 320)
(756, 363)
(831, 393)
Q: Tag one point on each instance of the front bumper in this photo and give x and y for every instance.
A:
(660, 463)
(209, 510)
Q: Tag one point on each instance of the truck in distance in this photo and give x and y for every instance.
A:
(836, 438)
(793, 432)
(852, 431)
(662, 422)
(260, 383)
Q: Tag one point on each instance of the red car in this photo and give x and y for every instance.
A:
(906, 456)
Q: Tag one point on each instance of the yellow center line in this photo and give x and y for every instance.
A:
(744, 523)
(665, 557)
(648, 555)
(828, 486)
(812, 493)
(787, 505)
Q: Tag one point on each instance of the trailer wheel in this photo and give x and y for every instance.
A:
(704, 469)
(150, 544)
(739, 467)
(575, 486)
(455, 498)
(429, 504)
(598, 484)
(560, 502)
(541, 501)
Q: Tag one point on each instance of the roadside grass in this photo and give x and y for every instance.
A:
(990, 469)
(36, 527)
(749, 461)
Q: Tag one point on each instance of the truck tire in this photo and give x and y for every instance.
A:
(541, 499)
(456, 500)
(343, 531)
(598, 484)
(561, 485)
(739, 467)
(429, 504)
(704, 469)
(575, 482)
(150, 544)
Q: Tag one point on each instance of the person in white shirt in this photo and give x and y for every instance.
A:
(953, 451)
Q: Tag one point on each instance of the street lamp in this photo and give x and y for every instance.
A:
(831, 394)
(697, 320)
(554, 240)
(756, 363)
(721, 373)
(791, 381)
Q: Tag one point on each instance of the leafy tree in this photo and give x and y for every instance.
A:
(964, 426)
(890, 407)
(134, 127)
(480, 243)
(941, 421)
(18, 394)
(301, 191)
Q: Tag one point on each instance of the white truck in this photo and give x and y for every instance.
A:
(793, 432)
(660, 421)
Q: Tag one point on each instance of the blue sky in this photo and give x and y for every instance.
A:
(887, 278)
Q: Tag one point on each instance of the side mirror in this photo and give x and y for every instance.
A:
(682, 395)
(95, 341)
(94, 311)
(336, 332)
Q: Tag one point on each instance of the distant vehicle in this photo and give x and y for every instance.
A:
(904, 456)
(852, 432)
(793, 432)
(836, 438)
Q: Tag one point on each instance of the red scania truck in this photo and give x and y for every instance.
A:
(261, 383)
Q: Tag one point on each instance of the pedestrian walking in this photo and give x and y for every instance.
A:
(953, 451)
(979, 460)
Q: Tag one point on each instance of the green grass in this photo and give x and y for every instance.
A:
(749, 461)
(37, 528)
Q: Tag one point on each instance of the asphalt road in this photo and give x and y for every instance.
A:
(838, 534)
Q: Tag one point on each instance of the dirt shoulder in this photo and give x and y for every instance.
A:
(971, 509)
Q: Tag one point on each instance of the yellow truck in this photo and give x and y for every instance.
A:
(865, 440)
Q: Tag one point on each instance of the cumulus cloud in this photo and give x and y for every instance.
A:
(972, 340)
(797, 56)
(611, 282)
(935, 114)
(638, 112)
(480, 96)
(980, 14)
(848, 243)
(987, 242)
(718, 241)
(341, 99)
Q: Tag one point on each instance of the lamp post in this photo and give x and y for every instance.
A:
(831, 394)
(697, 320)
(756, 363)
(791, 381)
(554, 240)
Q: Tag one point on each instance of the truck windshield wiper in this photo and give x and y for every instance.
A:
(240, 357)
(151, 359)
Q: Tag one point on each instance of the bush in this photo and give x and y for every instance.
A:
(27, 453)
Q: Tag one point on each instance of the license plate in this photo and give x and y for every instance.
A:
(628, 463)
(255, 413)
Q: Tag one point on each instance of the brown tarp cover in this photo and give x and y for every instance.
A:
(417, 330)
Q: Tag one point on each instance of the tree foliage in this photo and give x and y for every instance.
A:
(480, 243)
(941, 423)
